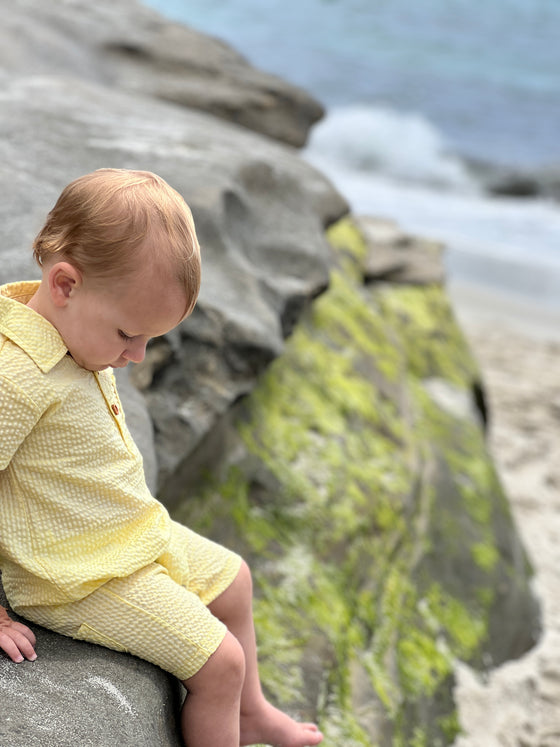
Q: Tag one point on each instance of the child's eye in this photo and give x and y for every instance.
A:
(124, 336)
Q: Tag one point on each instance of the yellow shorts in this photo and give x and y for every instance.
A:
(158, 613)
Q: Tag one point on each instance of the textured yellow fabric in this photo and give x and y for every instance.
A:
(85, 549)
(157, 613)
(75, 508)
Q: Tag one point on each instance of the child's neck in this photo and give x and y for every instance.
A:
(39, 303)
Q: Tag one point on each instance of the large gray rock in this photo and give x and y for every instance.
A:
(126, 45)
(78, 694)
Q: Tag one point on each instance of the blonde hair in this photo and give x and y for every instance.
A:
(101, 221)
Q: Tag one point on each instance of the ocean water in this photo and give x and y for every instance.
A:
(416, 92)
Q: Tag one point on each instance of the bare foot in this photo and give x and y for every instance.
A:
(270, 726)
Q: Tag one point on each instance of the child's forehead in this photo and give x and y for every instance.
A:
(148, 272)
(146, 304)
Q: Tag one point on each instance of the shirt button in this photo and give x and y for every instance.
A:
(115, 409)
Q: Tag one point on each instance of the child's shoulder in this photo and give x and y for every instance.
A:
(19, 372)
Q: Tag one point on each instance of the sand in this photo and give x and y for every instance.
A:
(518, 349)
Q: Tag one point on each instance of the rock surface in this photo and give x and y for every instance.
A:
(518, 182)
(397, 257)
(127, 46)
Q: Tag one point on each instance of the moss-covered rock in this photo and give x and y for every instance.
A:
(357, 482)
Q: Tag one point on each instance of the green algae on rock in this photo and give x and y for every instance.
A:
(358, 483)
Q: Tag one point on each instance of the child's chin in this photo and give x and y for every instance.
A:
(97, 366)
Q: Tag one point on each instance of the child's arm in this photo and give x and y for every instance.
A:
(16, 639)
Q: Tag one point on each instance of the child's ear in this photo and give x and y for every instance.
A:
(64, 281)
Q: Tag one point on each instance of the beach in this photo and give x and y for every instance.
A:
(519, 354)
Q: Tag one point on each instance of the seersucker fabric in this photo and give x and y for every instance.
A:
(159, 612)
(85, 549)
(75, 508)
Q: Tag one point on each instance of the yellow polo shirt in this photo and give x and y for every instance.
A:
(75, 510)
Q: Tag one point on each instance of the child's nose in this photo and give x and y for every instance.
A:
(135, 351)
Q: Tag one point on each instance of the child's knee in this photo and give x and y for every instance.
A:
(231, 660)
(224, 670)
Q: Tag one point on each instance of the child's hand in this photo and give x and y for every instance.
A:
(16, 639)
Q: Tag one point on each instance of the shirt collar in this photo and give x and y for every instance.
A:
(26, 328)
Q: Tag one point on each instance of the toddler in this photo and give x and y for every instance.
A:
(85, 549)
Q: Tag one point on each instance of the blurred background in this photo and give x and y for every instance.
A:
(441, 115)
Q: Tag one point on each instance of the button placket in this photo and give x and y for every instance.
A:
(110, 394)
(108, 388)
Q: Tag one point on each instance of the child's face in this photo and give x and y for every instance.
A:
(111, 325)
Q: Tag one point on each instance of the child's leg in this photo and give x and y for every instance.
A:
(223, 582)
(259, 720)
(211, 708)
(152, 616)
